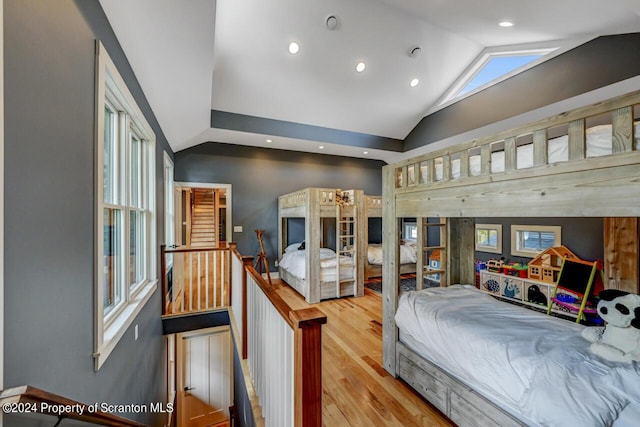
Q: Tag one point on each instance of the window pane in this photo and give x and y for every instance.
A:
(136, 247)
(537, 241)
(493, 238)
(135, 171)
(482, 236)
(112, 259)
(110, 180)
(496, 67)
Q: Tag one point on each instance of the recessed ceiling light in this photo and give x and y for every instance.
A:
(294, 48)
(506, 24)
(365, 152)
(268, 140)
(414, 82)
(321, 147)
(360, 67)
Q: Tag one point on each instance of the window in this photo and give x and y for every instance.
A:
(530, 240)
(125, 206)
(410, 231)
(497, 63)
(489, 238)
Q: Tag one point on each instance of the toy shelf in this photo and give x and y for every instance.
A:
(527, 292)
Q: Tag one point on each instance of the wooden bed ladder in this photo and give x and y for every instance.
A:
(346, 243)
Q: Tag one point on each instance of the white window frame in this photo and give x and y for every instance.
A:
(549, 50)
(111, 89)
(169, 209)
(488, 248)
(517, 229)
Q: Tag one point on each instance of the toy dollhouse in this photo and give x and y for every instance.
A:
(547, 265)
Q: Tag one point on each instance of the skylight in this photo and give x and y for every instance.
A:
(495, 68)
(494, 65)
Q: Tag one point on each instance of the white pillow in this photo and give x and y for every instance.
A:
(292, 247)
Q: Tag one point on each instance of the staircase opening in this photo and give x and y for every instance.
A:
(205, 214)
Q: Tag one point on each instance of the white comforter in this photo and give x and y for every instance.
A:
(408, 253)
(535, 366)
(294, 262)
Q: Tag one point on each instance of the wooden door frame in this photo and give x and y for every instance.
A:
(229, 204)
(179, 362)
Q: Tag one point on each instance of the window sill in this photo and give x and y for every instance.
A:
(117, 328)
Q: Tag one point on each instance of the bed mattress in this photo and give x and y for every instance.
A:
(536, 367)
(408, 253)
(295, 261)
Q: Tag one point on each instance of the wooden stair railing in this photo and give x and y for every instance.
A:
(201, 279)
(307, 343)
(30, 399)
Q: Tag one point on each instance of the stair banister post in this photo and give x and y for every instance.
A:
(308, 366)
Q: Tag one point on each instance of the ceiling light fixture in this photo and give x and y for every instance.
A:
(321, 147)
(415, 51)
(268, 140)
(414, 82)
(506, 24)
(293, 48)
(361, 66)
(331, 22)
(365, 152)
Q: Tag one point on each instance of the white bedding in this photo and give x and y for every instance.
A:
(535, 366)
(408, 253)
(294, 262)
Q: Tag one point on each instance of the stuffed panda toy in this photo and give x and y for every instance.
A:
(619, 340)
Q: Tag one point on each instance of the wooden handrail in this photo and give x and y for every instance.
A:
(180, 249)
(39, 401)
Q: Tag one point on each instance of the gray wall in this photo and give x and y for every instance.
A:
(259, 175)
(49, 212)
(583, 236)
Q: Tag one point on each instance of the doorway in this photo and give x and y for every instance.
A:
(205, 370)
(203, 214)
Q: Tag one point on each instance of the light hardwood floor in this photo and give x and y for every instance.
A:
(357, 391)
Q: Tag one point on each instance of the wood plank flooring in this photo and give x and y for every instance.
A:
(357, 391)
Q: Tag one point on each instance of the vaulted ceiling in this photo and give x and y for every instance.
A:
(221, 71)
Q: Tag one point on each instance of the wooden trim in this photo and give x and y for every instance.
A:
(44, 402)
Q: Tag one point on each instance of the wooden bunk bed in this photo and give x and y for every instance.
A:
(345, 275)
(460, 183)
(373, 270)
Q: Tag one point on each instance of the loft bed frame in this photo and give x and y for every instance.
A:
(607, 186)
(314, 204)
(374, 210)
